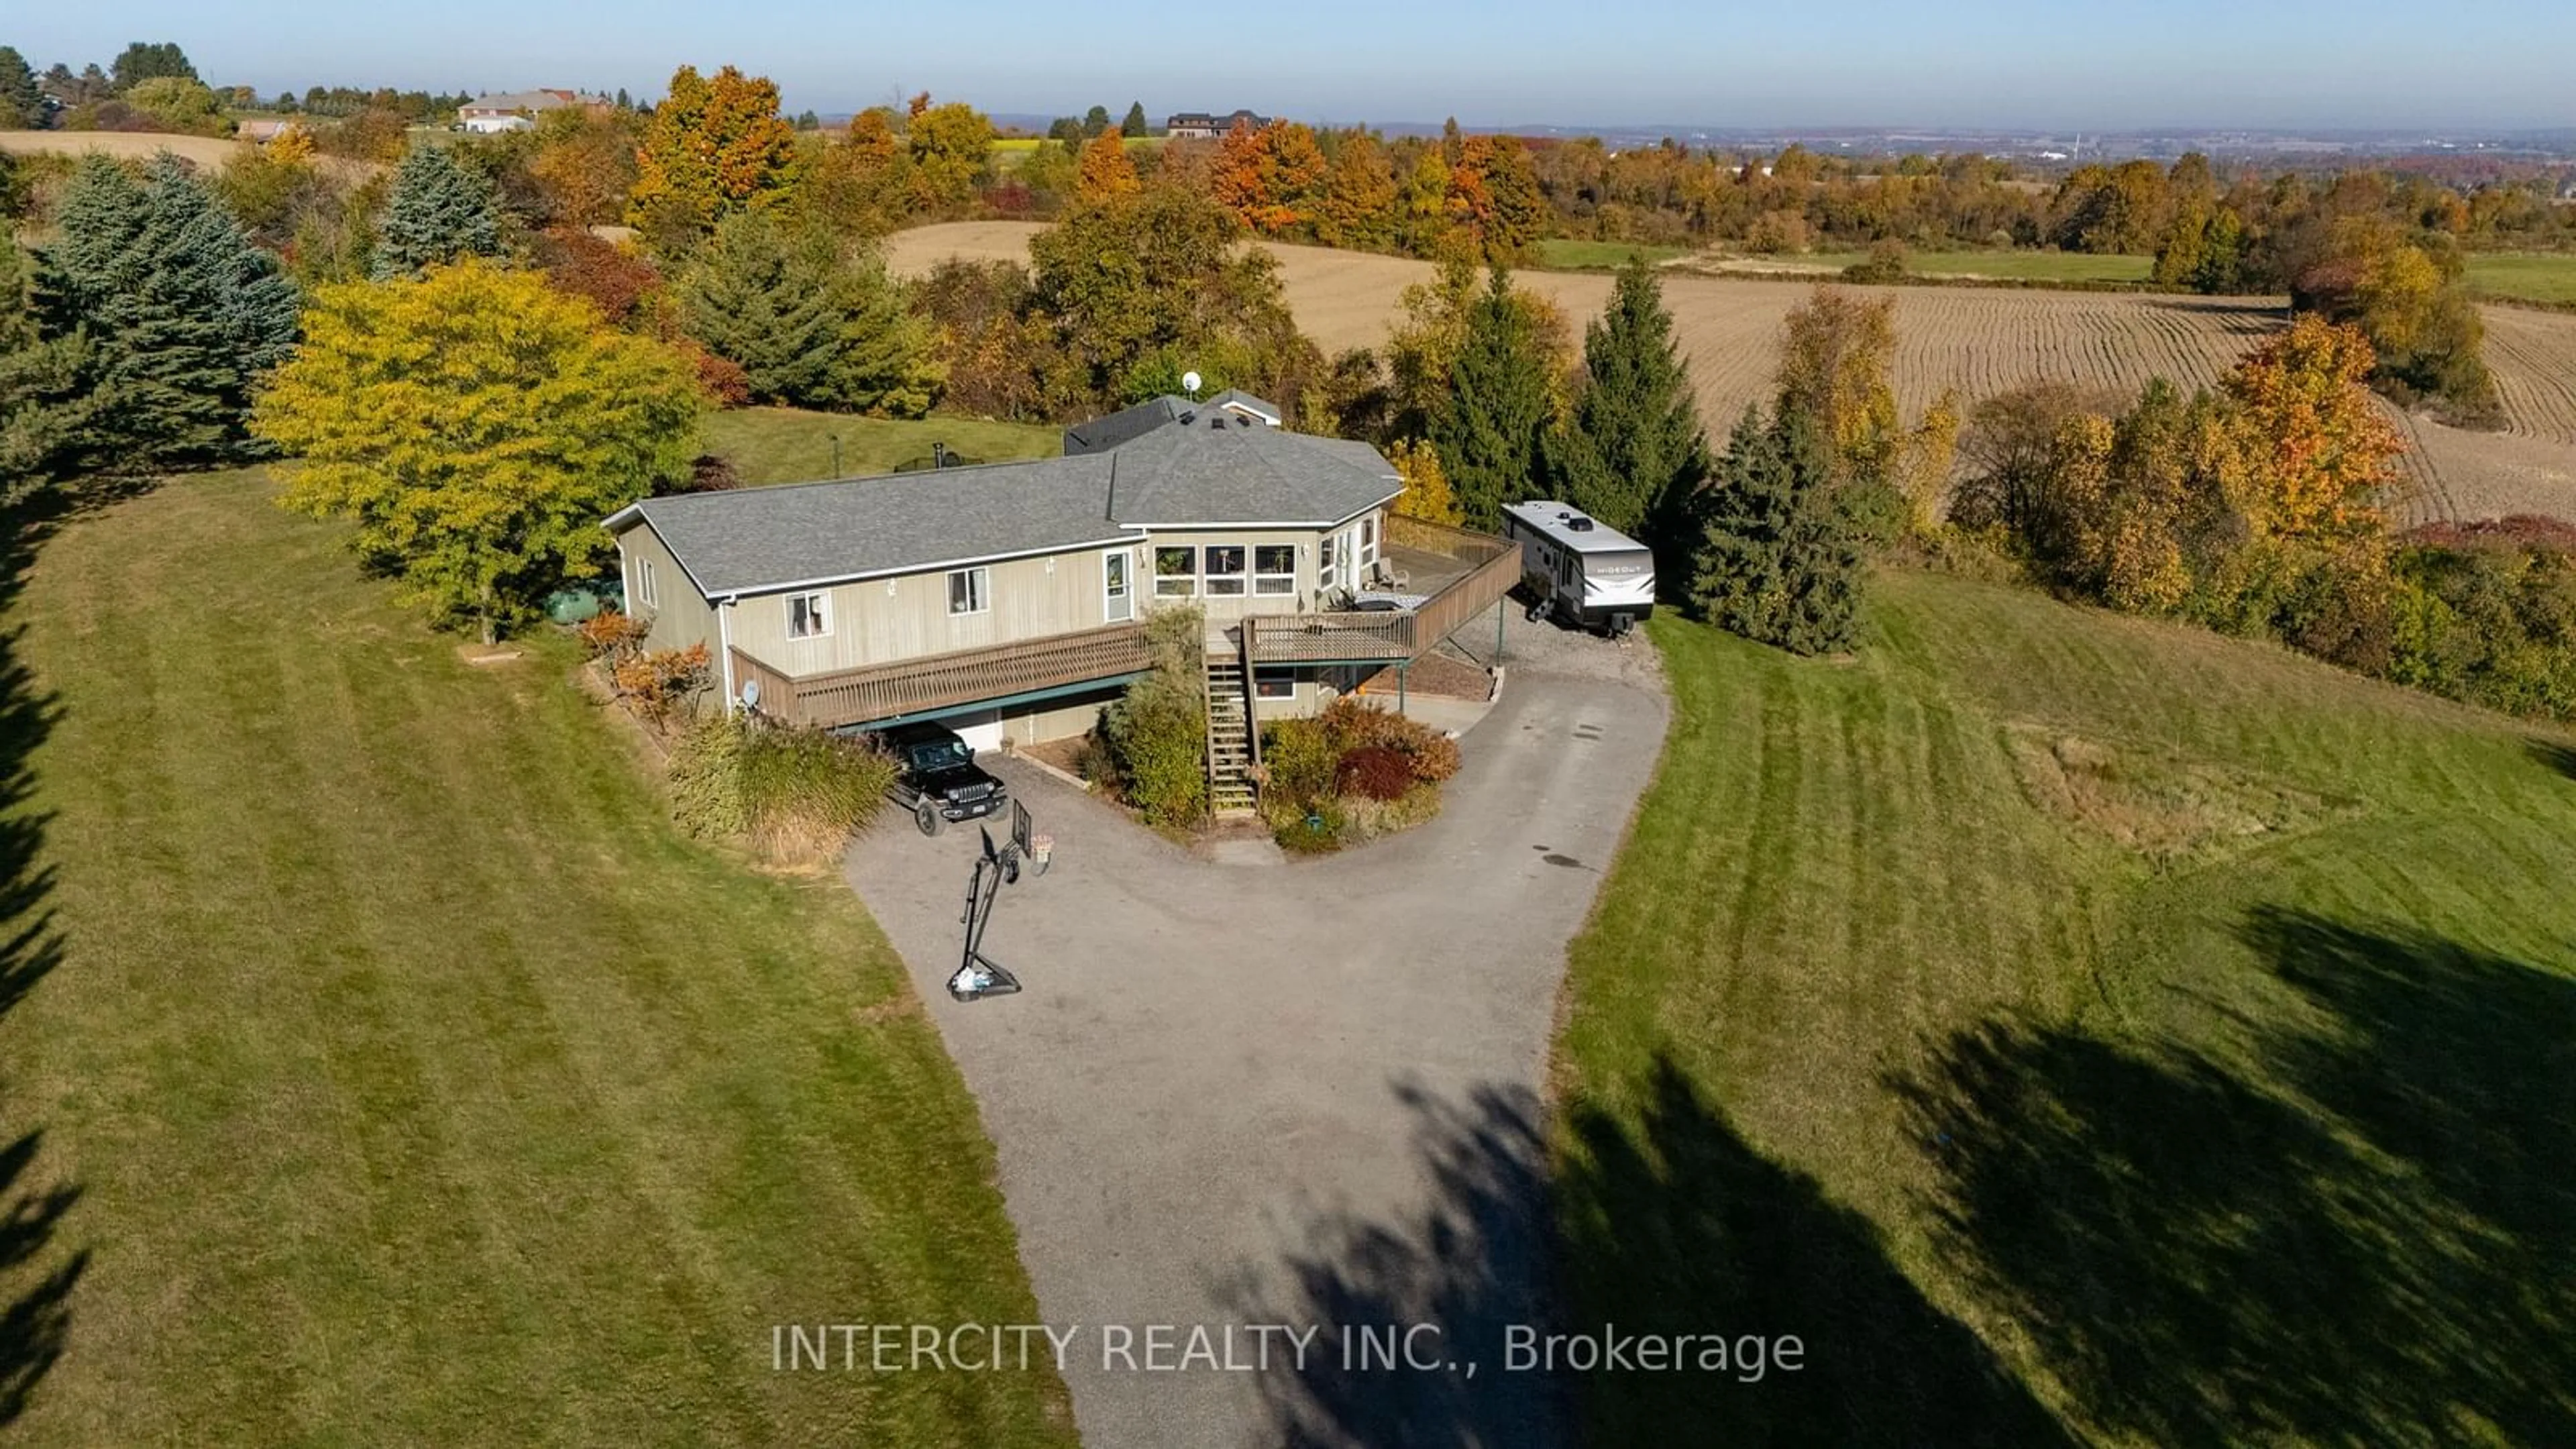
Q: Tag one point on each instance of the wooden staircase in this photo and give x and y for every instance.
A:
(1232, 747)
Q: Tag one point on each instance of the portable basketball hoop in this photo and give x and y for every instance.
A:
(977, 975)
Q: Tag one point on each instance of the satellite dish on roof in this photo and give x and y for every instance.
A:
(751, 694)
(1190, 383)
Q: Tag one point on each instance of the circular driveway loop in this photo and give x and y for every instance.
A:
(1301, 1094)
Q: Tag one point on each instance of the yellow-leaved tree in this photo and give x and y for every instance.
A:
(1427, 494)
(2328, 453)
(1835, 364)
(715, 144)
(477, 425)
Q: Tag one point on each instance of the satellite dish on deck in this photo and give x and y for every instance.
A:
(1190, 383)
(751, 694)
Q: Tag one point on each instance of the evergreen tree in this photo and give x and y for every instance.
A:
(140, 62)
(1781, 562)
(1095, 121)
(440, 212)
(46, 395)
(22, 105)
(1490, 429)
(808, 325)
(1134, 124)
(1634, 446)
(183, 314)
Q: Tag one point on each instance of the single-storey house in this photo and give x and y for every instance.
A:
(518, 110)
(1202, 126)
(1006, 599)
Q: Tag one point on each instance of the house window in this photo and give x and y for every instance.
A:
(1274, 568)
(1327, 561)
(1224, 568)
(651, 596)
(806, 617)
(1368, 541)
(1176, 572)
(1274, 684)
(970, 591)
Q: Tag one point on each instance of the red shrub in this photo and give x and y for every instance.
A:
(726, 384)
(1378, 772)
(661, 681)
(612, 635)
(615, 280)
(2522, 530)
(1352, 724)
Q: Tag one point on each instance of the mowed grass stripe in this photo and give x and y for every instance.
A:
(425, 1085)
(1853, 962)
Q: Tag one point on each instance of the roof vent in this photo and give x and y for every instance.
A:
(1577, 523)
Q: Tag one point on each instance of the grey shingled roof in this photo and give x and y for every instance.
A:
(1099, 435)
(749, 539)
(1215, 469)
(1224, 468)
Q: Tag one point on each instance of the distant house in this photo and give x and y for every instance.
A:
(518, 110)
(1201, 126)
(265, 130)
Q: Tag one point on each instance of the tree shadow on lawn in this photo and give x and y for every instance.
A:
(36, 1281)
(1669, 1225)
(2363, 1232)
(2555, 754)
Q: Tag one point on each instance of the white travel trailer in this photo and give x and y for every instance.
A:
(1583, 571)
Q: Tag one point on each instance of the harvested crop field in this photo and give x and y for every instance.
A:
(1977, 340)
(205, 151)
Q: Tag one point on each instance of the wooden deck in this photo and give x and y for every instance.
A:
(943, 681)
(1470, 573)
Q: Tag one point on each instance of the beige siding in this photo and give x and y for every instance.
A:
(680, 618)
(1055, 719)
(906, 616)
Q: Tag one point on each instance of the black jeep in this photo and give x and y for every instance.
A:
(940, 780)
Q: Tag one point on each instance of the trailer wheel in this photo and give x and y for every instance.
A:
(926, 815)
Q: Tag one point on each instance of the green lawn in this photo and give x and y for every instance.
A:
(2524, 276)
(2077, 1028)
(790, 445)
(1576, 254)
(416, 1082)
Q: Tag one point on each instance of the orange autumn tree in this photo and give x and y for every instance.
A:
(1494, 195)
(2325, 452)
(1104, 172)
(715, 145)
(1272, 178)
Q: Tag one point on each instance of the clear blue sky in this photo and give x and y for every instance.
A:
(2011, 63)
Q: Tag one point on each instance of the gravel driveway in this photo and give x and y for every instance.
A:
(1301, 1094)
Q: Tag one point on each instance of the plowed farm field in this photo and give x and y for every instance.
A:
(1977, 340)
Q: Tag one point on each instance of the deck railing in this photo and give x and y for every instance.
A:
(967, 676)
(1351, 636)
(941, 681)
